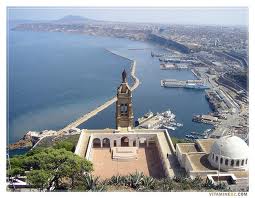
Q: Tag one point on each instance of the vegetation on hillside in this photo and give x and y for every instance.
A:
(139, 182)
(58, 169)
(54, 142)
(48, 169)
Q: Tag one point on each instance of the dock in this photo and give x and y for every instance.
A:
(208, 119)
(173, 66)
(152, 122)
(92, 113)
(191, 84)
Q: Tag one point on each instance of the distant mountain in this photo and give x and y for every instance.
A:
(72, 19)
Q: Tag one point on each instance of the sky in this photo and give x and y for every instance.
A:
(199, 16)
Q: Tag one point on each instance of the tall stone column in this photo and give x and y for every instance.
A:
(118, 143)
(111, 143)
(130, 143)
(137, 142)
(147, 142)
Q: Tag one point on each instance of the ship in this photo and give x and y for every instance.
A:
(168, 114)
(144, 118)
(165, 120)
(196, 86)
(190, 136)
(148, 115)
(179, 124)
(169, 127)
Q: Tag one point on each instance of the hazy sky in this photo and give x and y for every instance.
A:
(210, 16)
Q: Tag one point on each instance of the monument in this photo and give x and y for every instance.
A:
(124, 110)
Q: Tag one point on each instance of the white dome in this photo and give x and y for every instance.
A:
(231, 147)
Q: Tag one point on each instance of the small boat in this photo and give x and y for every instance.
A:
(169, 127)
(168, 114)
(189, 136)
(193, 133)
(179, 124)
(148, 115)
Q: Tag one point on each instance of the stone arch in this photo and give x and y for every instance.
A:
(237, 163)
(226, 162)
(242, 163)
(213, 156)
(106, 143)
(142, 142)
(232, 162)
(216, 159)
(134, 143)
(96, 143)
(124, 141)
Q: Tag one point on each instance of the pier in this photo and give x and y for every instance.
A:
(191, 84)
(92, 113)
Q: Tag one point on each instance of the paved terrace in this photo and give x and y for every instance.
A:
(199, 162)
(148, 162)
(188, 147)
(206, 144)
(166, 149)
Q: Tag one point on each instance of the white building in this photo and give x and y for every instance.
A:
(230, 153)
(224, 158)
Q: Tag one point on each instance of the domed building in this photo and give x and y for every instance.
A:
(224, 159)
(229, 153)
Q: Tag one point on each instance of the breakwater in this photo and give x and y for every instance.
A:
(92, 113)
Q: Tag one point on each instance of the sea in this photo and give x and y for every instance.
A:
(54, 78)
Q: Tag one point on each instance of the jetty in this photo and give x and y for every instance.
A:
(92, 113)
(190, 84)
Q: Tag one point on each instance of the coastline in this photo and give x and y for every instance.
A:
(26, 143)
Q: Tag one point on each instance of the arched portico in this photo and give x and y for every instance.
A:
(96, 143)
(106, 143)
(124, 141)
(142, 142)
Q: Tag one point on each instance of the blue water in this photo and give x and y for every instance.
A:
(55, 77)
(151, 96)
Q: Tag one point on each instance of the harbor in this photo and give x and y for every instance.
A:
(159, 120)
(190, 84)
(208, 119)
(195, 135)
(173, 66)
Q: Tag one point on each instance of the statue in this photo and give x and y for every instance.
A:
(124, 76)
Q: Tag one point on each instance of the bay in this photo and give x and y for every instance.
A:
(54, 78)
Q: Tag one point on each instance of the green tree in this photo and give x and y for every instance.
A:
(69, 146)
(39, 179)
(61, 166)
(14, 172)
